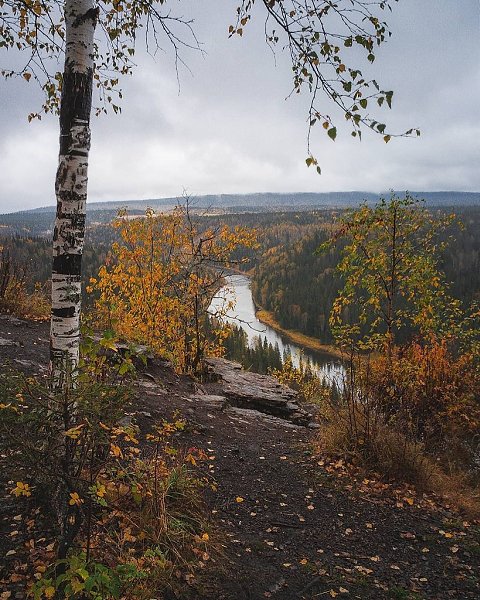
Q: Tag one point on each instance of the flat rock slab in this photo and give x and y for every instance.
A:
(258, 392)
(211, 401)
(249, 413)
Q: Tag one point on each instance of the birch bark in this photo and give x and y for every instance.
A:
(71, 190)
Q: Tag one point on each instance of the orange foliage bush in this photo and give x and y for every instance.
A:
(435, 395)
(159, 281)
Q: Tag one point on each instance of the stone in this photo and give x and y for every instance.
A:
(250, 413)
(264, 393)
(210, 401)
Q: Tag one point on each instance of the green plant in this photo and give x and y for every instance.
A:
(126, 517)
(389, 267)
(85, 579)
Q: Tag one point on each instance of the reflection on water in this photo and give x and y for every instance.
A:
(243, 314)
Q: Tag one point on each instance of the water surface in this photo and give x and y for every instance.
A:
(237, 288)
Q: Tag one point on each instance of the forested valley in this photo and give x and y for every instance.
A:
(318, 436)
(289, 277)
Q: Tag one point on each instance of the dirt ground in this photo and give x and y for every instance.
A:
(292, 524)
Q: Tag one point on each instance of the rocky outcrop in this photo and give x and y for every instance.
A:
(253, 391)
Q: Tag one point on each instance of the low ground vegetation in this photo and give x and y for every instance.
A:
(125, 512)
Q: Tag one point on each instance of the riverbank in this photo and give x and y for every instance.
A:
(267, 318)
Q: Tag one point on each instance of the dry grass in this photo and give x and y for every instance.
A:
(24, 305)
(389, 451)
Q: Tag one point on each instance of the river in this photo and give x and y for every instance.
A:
(237, 288)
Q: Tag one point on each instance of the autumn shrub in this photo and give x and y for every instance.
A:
(15, 299)
(19, 302)
(436, 394)
(149, 532)
(126, 512)
(159, 282)
(413, 416)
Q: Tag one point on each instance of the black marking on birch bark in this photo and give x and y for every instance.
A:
(92, 13)
(67, 197)
(68, 264)
(64, 312)
(76, 105)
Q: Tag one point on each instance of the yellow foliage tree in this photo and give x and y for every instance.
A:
(160, 279)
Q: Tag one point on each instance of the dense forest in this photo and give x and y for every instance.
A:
(289, 278)
(299, 285)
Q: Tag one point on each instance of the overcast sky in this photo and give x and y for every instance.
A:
(231, 129)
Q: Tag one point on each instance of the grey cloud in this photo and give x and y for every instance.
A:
(231, 129)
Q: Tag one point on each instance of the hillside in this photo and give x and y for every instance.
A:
(287, 522)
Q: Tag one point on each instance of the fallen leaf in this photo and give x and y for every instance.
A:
(304, 561)
(239, 499)
(363, 570)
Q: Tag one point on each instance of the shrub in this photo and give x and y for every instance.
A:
(380, 448)
(436, 395)
(126, 516)
(411, 417)
(14, 297)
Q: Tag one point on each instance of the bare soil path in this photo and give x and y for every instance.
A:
(291, 524)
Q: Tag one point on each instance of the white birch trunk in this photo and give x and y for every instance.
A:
(71, 190)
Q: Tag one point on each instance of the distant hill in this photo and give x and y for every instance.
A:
(272, 200)
(38, 221)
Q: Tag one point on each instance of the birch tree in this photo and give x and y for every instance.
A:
(41, 28)
(71, 187)
(317, 34)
